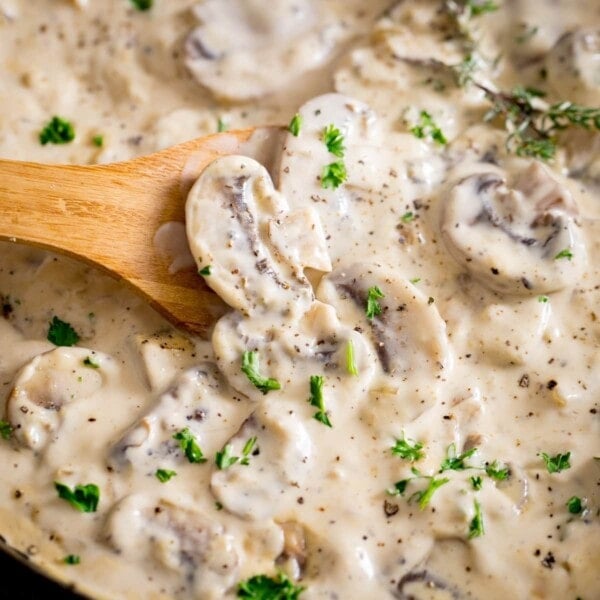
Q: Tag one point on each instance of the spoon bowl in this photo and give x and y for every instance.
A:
(109, 215)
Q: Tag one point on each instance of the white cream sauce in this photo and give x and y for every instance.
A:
(485, 340)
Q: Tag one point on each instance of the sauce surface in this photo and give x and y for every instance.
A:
(403, 400)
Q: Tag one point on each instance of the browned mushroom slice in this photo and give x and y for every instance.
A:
(45, 387)
(199, 401)
(238, 258)
(517, 232)
(187, 548)
(238, 46)
(573, 66)
(277, 465)
(406, 329)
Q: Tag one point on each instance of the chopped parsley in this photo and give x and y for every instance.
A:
(6, 429)
(295, 125)
(316, 399)
(333, 175)
(408, 449)
(334, 140)
(476, 525)
(415, 280)
(250, 367)
(72, 559)
(426, 127)
(574, 505)
(82, 497)
(189, 445)
(98, 141)
(61, 333)
(89, 361)
(407, 217)
(205, 271)
(373, 307)
(143, 4)
(495, 471)
(163, 475)
(57, 131)
(452, 462)
(476, 482)
(350, 359)
(557, 463)
(566, 253)
(477, 8)
(224, 458)
(423, 497)
(221, 125)
(263, 587)
(543, 299)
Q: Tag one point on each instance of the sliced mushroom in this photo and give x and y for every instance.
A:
(408, 334)
(518, 234)
(247, 269)
(573, 66)
(238, 46)
(45, 387)
(383, 170)
(181, 543)
(198, 400)
(291, 350)
(277, 467)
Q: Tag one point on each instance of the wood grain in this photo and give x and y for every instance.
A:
(108, 215)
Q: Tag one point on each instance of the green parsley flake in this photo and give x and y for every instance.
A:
(566, 253)
(350, 359)
(334, 140)
(143, 4)
(98, 141)
(83, 497)
(189, 445)
(543, 299)
(89, 361)
(316, 399)
(407, 217)
(333, 175)
(476, 482)
(163, 475)
(61, 333)
(476, 526)
(426, 127)
(373, 307)
(477, 8)
(221, 125)
(575, 505)
(557, 463)
(263, 587)
(415, 280)
(424, 496)
(225, 459)
(452, 462)
(250, 367)
(6, 429)
(295, 125)
(205, 271)
(495, 471)
(408, 449)
(57, 131)
(72, 559)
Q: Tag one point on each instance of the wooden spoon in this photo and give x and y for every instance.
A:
(108, 215)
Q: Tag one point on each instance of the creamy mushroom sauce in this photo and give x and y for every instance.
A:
(484, 341)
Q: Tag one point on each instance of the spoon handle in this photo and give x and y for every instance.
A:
(108, 215)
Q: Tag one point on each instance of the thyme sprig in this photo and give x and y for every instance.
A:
(532, 125)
